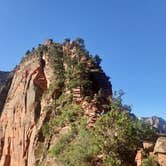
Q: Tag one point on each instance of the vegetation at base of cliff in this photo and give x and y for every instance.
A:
(113, 141)
(149, 161)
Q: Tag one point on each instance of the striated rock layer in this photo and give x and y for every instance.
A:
(21, 140)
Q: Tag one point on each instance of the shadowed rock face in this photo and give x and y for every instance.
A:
(3, 77)
(101, 80)
(5, 82)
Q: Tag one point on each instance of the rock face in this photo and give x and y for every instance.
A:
(160, 150)
(156, 150)
(5, 82)
(21, 112)
(156, 122)
(160, 146)
(30, 91)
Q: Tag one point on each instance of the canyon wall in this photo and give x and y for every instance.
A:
(21, 113)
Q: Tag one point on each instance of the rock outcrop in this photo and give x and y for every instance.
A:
(38, 81)
(156, 150)
(160, 146)
(21, 111)
(160, 150)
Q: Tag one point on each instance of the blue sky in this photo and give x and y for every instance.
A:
(129, 35)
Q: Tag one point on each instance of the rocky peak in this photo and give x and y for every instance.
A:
(47, 79)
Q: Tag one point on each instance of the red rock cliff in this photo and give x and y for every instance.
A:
(18, 123)
(21, 141)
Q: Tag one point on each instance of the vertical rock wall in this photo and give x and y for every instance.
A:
(18, 122)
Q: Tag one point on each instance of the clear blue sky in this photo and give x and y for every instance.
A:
(129, 35)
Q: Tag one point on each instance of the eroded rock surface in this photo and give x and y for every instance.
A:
(21, 111)
(160, 146)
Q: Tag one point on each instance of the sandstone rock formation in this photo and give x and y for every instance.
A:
(21, 110)
(38, 81)
(160, 150)
(3, 77)
(156, 150)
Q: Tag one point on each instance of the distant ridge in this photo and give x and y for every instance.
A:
(3, 77)
(156, 122)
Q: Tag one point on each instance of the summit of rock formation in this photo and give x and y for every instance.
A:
(57, 109)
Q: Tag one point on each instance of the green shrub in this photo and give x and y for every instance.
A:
(77, 147)
(74, 83)
(97, 60)
(150, 161)
(65, 140)
(46, 129)
(69, 114)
